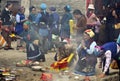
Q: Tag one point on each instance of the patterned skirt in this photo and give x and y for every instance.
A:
(86, 65)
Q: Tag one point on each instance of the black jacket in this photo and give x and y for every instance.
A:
(5, 17)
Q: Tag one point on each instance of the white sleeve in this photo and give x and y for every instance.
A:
(118, 39)
(91, 49)
(108, 56)
(18, 18)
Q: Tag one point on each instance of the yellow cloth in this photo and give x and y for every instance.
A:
(114, 65)
(12, 35)
(90, 32)
(117, 26)
(62, 62)
(71, 23)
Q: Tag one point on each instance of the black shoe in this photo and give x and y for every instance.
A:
(11, 48)
(5, 48)
(8, 48)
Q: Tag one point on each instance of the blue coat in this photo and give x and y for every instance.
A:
(112, 46)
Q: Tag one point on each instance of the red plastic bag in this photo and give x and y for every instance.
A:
(46, 77)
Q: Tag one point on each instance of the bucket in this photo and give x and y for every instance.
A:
(2, 41)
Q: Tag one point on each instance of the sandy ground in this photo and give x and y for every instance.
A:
(9, 59)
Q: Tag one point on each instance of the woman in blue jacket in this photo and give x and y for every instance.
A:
(109, 51)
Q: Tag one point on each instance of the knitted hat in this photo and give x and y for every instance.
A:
(67, 8)
(90, 33)
(27, 23)
(91, 6)
(43, 6)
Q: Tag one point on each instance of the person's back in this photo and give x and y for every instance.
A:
(112, 46)
(54, 23)
(54, 18)
(44, 17)
(66, 17)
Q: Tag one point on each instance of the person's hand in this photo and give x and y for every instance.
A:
(82, 44)
(75, 27)
(103, 7)
(114, 14)
(26, 19)
(101, 75)
(36, 42)
(6, 29)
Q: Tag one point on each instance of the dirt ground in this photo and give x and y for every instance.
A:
(9, 58)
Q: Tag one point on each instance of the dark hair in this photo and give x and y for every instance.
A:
(8, 4)
(77, 12)
(21, 8)
(30, 9)
(67, 8)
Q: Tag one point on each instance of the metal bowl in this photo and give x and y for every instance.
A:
(36, 68)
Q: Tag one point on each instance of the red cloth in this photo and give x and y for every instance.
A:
(46, 77)
(60, 64)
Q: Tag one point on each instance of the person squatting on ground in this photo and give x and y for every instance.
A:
(86, 58)
(108, 51)
(7, 24)
(32, 42)
(64, 49)
(64, 56)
